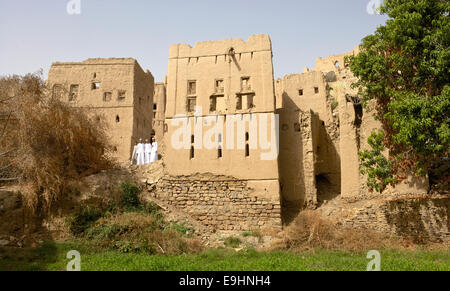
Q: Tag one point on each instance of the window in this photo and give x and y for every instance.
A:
(219, 152)
(250, 103)
(117, 118)
(95, 86)
(192, 87)
(300, 92)
(192, 153)
(191, 102)
(316, 90)
(238, 102)
(57, 90)
(107, 96)
(212, 103)
(73, 93)
(219, 86)
(95, 75)
(121, 95)
(155, 106)
(247, 146)
(245, 84)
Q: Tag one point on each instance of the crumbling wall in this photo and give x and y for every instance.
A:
(221, 202)
(159, 108)
(421, 218)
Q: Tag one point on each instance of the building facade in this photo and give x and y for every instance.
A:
(118, 90)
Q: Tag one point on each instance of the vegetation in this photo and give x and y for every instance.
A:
(44, 142)
(310, 231)
(132, 227)
(232, 242)
(52, 256)
(403, 68)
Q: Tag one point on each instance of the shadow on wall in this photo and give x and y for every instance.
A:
(291, 166)
(327, 166)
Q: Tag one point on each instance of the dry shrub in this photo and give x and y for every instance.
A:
(310, 231)
(49, 142)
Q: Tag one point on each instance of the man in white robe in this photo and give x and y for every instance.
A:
(147, 151)
(140, 153)
(154, 152)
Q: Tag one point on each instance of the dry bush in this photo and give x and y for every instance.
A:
(310, 231)
(48, 142)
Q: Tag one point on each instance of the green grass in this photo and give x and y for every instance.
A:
(52, 256)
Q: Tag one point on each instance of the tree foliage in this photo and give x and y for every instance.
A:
(405, 68)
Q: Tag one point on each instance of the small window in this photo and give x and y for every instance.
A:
(155, 106)
(191, 102)
(95, 75)
(57, 90)
(247, 136)
(117, 118)
(192, 138)
(121, 95)
(300, 92)
(107, 96)
(219, 152)
(316, 90)
(238, 102)
(212, 103)
(192, 87)
(219, 86)
(192, 153)
(250, 103)
(95, 86)
(247, 150)
(245, 84)
(73, 93)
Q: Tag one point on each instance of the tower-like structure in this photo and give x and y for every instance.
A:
(116, 89)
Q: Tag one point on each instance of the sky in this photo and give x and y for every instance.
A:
(35, 33)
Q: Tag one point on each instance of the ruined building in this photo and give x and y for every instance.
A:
(241, 150)
(116, 89)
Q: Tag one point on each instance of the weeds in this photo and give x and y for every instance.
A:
(232, 242)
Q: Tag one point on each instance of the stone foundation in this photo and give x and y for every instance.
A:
(220, 202)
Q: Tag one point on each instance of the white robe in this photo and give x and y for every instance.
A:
(147, 152)
(140, 151)
(154, 152)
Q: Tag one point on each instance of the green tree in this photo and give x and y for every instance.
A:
(404, 67)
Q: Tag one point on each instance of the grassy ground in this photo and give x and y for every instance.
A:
(52, 256)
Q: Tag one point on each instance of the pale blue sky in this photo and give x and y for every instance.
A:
(35, 33)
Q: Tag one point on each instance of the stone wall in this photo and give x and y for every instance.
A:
(220, 202)
(421, 218)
